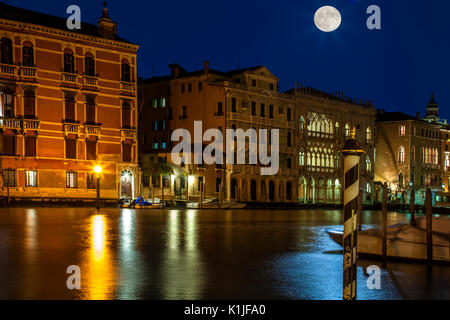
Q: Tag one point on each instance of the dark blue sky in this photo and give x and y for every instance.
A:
(397, 66)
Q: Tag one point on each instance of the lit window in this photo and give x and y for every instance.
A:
(155, 103)
(368, 135)
(347, 130)
(71, 180)
(368, 188)
(31, 179)
(162, 102)
(401, 155)
(402, 130)
(301, 159)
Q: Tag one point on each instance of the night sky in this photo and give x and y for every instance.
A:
(397, 66)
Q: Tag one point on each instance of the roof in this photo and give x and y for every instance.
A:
(396, 116)
(9, 12)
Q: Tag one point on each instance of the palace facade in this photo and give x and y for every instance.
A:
(313, 127)
(68, 103)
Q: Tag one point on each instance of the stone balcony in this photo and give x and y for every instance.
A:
(90, 82)
(127, 88)
(10, 123)
(8, 70)
(31, 124)
(28, 73)
(93, 130)
(71, 128)
(69, 78)
(129, 134)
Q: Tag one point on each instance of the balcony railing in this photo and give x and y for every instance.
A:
(31, 124)
(7, 69)
(28, 72)
(127, 87)
(93, 130)
(10, 123)
(69, 77)
(129, 134)
(73, 128)
(90, 81)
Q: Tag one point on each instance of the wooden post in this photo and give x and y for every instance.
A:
(384, 224)
(429, 212)
(360, 210)
(220, 195)
(201, 195)
(162, 191)
(412, 207)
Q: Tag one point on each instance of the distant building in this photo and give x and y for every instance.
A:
(408, 155)
(313, 127)
(67, 104)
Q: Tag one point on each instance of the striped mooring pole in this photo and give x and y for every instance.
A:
(352, 154)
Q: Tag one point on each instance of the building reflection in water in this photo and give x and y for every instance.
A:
(182, 268)
(131, 268)
(98, 272)
(31, 245)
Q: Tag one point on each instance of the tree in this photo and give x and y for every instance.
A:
(156, 170)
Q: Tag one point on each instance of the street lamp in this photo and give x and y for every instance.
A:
(98, 171)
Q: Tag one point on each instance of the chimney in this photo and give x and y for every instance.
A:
(418, 115)
(176, 70)
(206, 64)
(107, 28)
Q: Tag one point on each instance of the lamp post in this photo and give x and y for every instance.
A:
(98, 171)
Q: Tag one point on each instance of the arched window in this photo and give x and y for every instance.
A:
(400, 179)
(347, 130)
(401, 155)
(6, 51)
(28, 55)
(413, 154)
(368, 135)
(126, 71)
(89, 65)
(289, 139)
(69, 107)
(7, 104)
(368, 164)
(29, 104)
(69, 61)
(126, 115)
(302, 123)
(368, 188)
(155, 144)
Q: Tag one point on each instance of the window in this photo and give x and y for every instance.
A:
(184, 112)
(91, 181)
(368, 164)
(218, 184)
(163, 144)
(9, 178)
(31, 179)
(402, 130)
(89, 66)
(6, 51)
(69, 64)
(29, 102)
(126, 72)
(71, 180)
(69, 108)
(126, 152)
(233, 105)
(301, 159)
(368, 188)
(253, 83)
(271, 111)
(413, 154)
(183, 88)
(28, 56)
(263, 110)
(219, 108)
(91, 150)
(347, 130)
(7, 105)
(155, 103)
(368, 135)
(71, 149)
(400, 180)
(126, 115)
(90, 110)
(200, 186)
(155, 125)
(163, 124)
(401, 155)
(289, 139)
(189, 87)
(155, 144)
(162, 102)
(271, 86)
(289, 163)
(200, 86)
(30, 146)
(289, 114)
(9, 145)
(253, 108)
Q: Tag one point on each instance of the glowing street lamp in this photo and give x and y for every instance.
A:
(98, 170)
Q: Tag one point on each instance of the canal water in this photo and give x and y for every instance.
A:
(188, 254)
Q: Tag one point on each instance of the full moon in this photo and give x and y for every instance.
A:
(327, 19)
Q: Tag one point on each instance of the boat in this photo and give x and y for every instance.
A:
(404, 242)
(214, 204)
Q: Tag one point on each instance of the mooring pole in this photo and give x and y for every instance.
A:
(412, 207)
(201, 195)
(360, 210)
(384, 224)
(352, 154)
(429, 211)
(220, 195)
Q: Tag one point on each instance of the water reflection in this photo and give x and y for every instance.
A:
(98, 273)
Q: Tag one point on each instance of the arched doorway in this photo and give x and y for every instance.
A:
(302, 190)
(127, 184)
(311, 191)
(271, 191)
(329, 191)
(253, 190)
(337, 191)
(289, 191)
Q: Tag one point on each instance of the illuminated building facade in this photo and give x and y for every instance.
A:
(67, 103)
